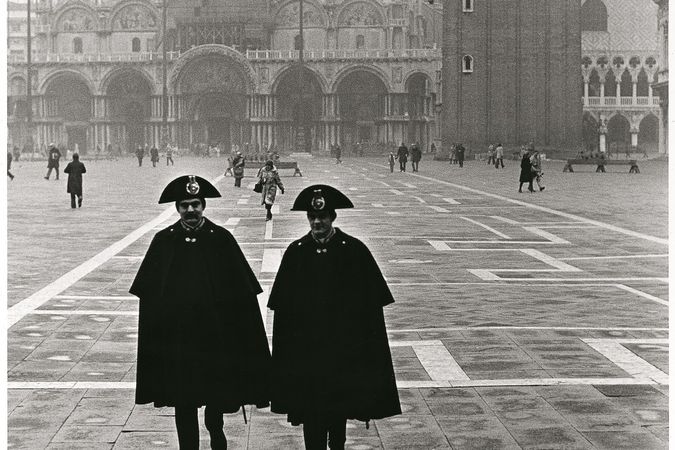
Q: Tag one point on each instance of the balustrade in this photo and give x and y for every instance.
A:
(622, 101)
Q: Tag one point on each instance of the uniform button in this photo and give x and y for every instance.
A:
(171, 229)
(187, 239)
(318, 250)
(343, 242)
(211, 231)
(193, 240)
(324, 250)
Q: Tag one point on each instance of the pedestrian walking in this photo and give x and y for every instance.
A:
(338, 154)
(238, 163)
(331, 360)
(416, 156)
(9, 165)
(154, 155)
(402, 156)
(535, 161)
(453, 154)
(53, 157)
(491, 154)
(17, 153)
(270, 180)
(459, 149)
(525, 172)
(499, 156)
(392, 160)
(169, 154)
(75, 169)
(201, 339)
(140, 153)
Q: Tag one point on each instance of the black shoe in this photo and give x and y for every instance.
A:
(46, 178)
(542, 188)
(79, 202)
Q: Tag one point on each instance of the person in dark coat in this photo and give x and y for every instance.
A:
(416, 156)
(75, 169)
(9, 165)
(331, 360)
(201, 338)
(238, 164)
(525, 172)
(402, 156)
(140, 153)
(459, 150)
(154, 156)
(53, 156)
(338, 154)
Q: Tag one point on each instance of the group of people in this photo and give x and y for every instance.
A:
(496, 155)
(201, 336)
(269, 181)
(530, 169)
(74, 169)
(402, 156)
(457, 151)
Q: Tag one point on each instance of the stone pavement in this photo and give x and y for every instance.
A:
(521, 320)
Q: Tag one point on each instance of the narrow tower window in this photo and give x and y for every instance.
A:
(360, 41)
(77, 45)
(467, 5)
(135, 45)
(467, 64)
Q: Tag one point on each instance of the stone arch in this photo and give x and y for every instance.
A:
(68, 19)
(361, 13)
(318, 76)
(610, 83)
(589, 132)
(108, 77)
(128, 98)
(648, 134)
(16, 84)
(642, 83)
(626, 84)
(287, 15)
(347, 70)
(229, 56)
(594, 84)
(593, 16)
(618, 133)
(415, 72)
(61, 72)
(134, 15)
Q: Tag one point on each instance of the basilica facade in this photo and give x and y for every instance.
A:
(370, 75)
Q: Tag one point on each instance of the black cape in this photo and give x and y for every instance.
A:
(201, 338)
(330, 350)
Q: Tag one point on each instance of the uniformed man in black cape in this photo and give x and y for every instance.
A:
(330, 359)
(201, 339)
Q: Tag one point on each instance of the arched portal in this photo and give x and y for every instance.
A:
(594, 84)
(67, 105)
(626, 84)
(212, 107)
(299, 110)
(419, 108)
(128, 97)
(589, 133)
(610, 84)
(648, 137)
(361, 97)
(618, 134)
(642, 84)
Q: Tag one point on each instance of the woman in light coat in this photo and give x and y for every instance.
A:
(269, 178)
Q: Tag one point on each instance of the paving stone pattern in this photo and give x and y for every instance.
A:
(521, 320)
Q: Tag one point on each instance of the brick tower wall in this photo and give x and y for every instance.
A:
(526, 84)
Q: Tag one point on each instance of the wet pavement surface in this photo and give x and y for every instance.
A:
(521, 320)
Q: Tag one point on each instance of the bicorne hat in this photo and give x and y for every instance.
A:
(321, 197)
(186, 187)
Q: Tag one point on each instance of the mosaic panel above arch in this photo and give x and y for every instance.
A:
(289, 16)
(134, 17)
(76, 19)
(360, 14)
(211, 74)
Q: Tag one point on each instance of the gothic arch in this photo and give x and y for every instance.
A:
(150, 21)
(370, 14)
(46, 81)
(238, 61)
(110, 76)
(360, 67)
(13, 81)
(412, 73)
(285, 18)
(318, 76)
(66, 21)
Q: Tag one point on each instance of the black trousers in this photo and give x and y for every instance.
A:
(49, 172)
(187, 426)
(320, 430)
(72, 200)
(402, 165)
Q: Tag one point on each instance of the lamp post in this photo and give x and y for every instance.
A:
(164, 132)
(29, 81)
(300, 135)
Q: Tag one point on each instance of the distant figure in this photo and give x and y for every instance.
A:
(432, 149)
(53, 157)
(453, 154)
(402, 156)
(491, 154)
(338, 154)
(75, 169)
(459, 149)
(17, 153)
(238, 164)
(499, 156)
(98, 152)
(140, 153)
(9, 165)
(416, 156)
(269, 177)
(392, 159)
(535, 160)
(169, 155)
(154, 156)
(525, 173)
(644, 152)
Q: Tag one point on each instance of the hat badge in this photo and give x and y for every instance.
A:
(318, 202)
(192, 187)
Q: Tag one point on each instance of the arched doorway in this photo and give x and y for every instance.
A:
(128, 96)
(361, 97)
(212, 103)
(618, 134)
(648, 136)
(419, 108)
(589, 133)
(299, 110)
(68, 103)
